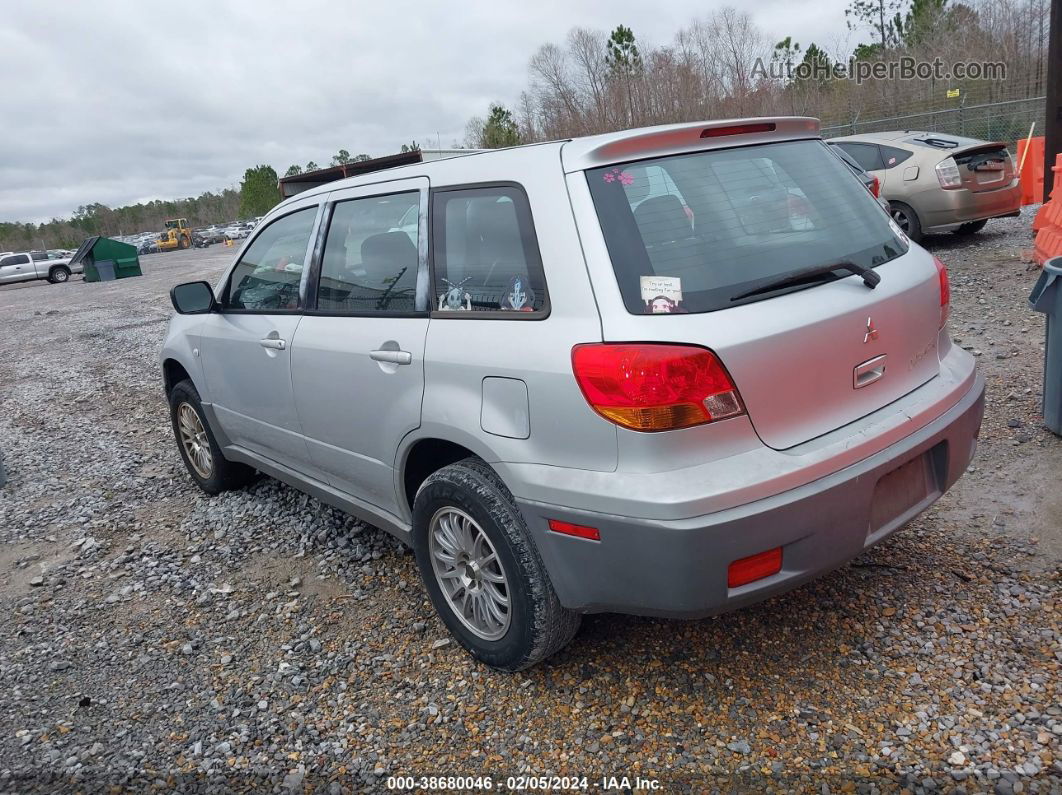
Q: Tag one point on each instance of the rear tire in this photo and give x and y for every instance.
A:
(971, 228)
(199, 449)
(183, 243)
(907, 220)
(58, 274)
(469, 538)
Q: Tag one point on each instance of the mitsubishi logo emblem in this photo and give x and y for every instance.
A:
(872, 333)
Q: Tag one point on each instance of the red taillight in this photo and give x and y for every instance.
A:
(945, 291)
(738, 129)
(577, 530)
(754, 567)
(875, 186)
(655, 387)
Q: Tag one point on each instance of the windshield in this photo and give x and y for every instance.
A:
(688, 233)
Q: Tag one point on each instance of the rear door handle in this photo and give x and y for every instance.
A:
(394, 357)
(272, 342)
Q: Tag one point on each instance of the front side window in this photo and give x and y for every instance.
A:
(735, 220)
(15, 259)
(371, 259)
(485, 253)
(267, 277)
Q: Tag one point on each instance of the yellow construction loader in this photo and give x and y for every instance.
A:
(177, 235)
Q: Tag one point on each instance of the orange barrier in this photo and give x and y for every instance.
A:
(1032, 170)
(1048, 221)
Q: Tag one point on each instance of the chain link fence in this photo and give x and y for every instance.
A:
(996, 121)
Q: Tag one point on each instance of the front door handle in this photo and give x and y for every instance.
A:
(272, 342)
(394, 357)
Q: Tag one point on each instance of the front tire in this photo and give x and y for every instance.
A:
(199, 449)
(907, 220)
(482, 570)
(58, 274)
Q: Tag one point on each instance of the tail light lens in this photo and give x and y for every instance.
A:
(655, 387)
(948, 174)
(945, 291)
(875, 186)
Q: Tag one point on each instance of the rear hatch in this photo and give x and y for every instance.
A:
(717, 248)
(977, 166)
(984, 167)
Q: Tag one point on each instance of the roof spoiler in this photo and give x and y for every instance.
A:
(600, 150)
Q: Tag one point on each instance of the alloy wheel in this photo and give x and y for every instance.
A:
(195, 441)
(902, 221)
(469, 573)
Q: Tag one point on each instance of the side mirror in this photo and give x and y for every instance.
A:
(193, 298)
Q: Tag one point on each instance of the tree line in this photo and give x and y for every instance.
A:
(257, 194)
(724, 66)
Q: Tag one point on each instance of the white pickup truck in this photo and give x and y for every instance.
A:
(24, 266)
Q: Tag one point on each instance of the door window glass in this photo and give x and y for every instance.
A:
(16, 259)
(268, 274)
(485, 254)
(371, 259)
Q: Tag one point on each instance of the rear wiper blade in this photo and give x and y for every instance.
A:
(870, 278)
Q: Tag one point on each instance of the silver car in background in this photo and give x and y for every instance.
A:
(668, 371)
(935, 182)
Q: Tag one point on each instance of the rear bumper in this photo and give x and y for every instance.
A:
(678, 567)
(948, 207)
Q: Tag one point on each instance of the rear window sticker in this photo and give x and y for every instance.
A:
(519, 297)
(456, 298)
(618, 175)
(662, 294)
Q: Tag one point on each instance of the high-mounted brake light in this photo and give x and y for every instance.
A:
(945, 291)
(655, 387)
(738, 129)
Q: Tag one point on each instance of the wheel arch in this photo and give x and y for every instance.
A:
(421, 455)
(173, 372)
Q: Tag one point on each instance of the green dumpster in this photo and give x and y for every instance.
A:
(105, 259)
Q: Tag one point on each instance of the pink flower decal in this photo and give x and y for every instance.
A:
(614, 174)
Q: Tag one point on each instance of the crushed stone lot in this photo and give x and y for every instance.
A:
(156, 639)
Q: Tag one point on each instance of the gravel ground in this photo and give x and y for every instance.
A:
(154, 639)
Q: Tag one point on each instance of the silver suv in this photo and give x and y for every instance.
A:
(668, 371)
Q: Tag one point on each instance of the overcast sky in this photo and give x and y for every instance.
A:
(121, 102)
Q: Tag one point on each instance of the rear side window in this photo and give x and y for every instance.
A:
(485, 254)
(867, 155)
(267, 277)
(15, 259)
(735, 220)
(370, 260)
(893, 156)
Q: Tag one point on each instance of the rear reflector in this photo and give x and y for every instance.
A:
(754, 567)
(945, 291)
(655, 386)
(577, 530)
(738, 129)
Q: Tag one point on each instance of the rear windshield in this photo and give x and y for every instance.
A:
(689, 233)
